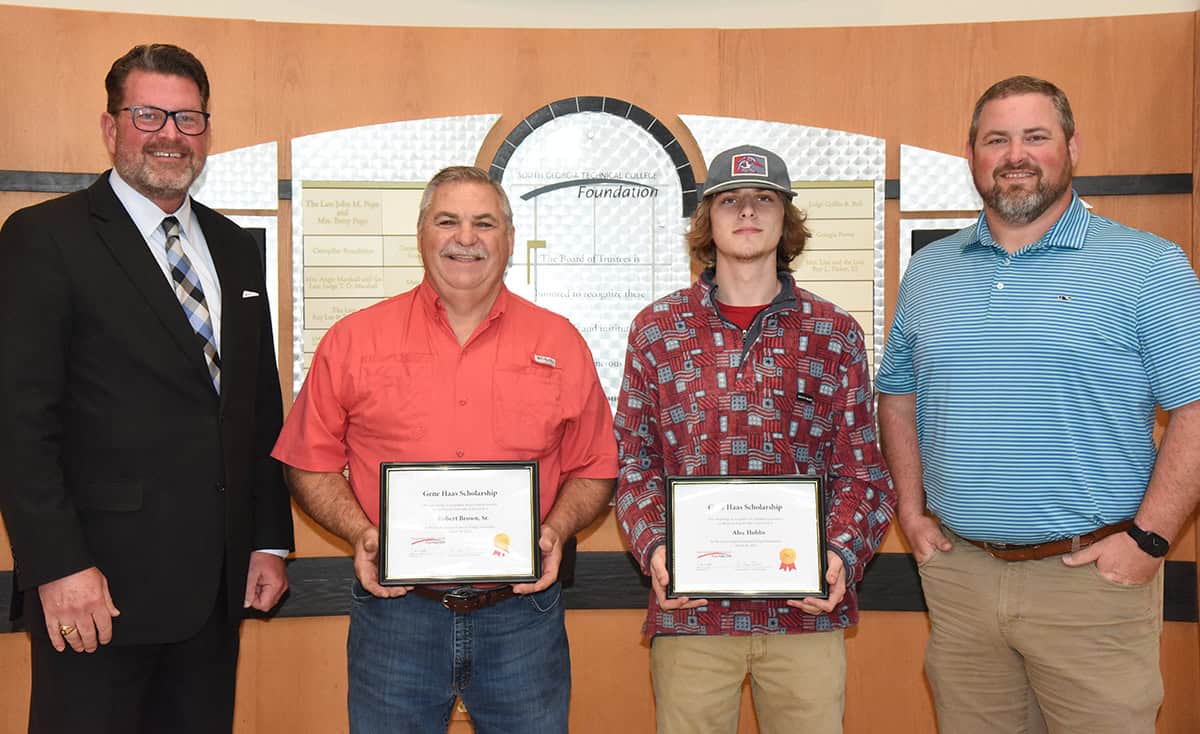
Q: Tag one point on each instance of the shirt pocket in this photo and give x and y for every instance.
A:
(395, 396)
(527, 408)
(809, 416)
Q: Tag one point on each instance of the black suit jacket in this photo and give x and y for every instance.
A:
(117, 451)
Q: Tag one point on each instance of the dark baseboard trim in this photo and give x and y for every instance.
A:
(1134, 185)
(1115, 185)
(47, 182)
(320, 587)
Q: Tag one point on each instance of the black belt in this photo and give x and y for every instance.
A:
(466, 599)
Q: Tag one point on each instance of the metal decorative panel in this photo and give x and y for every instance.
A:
(597, 204)
(935, 182)
(410, 151)
(811, 153)
(245, 178)
(815, 154)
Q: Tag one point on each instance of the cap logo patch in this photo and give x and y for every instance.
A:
(749, 164)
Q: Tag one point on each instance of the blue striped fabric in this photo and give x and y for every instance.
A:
(1037, 373)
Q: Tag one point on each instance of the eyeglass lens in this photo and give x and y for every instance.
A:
(152, 119)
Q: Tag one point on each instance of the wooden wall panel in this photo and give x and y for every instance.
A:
(406, 73)
(297, 668)
(1195, 109)
(284, 286)
(1166, 215)
(910, 85)
(603, 534)
(314, 541)
(53, 80)
(917, 85)
(1180, 713)
(884, 672)
(14, 684)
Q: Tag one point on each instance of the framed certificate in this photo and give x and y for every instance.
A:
(458, 523)
(746, 537)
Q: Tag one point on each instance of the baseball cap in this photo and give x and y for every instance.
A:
(747, 167)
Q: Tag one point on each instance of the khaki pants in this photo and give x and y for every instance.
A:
(1035, 646)
(798, 682)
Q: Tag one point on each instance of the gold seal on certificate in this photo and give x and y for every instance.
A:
(458, 523)
(746, 537)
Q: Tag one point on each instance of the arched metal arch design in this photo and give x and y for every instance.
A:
(610, 105)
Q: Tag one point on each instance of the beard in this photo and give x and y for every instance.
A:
(736, 256)
(137, 167)
(1018, 206)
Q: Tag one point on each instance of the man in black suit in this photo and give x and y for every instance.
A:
(139, 401)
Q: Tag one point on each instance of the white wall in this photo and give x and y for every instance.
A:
(634, 13)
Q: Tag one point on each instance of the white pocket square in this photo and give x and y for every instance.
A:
(249, 294)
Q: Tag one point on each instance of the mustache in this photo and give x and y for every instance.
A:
(456, 250)
(159, 148)
(1015, 168)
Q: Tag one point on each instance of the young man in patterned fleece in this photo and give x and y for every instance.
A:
(745, 373)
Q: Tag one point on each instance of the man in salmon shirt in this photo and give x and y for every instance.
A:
(456, 370)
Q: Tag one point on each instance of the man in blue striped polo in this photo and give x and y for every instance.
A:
(1022, 369)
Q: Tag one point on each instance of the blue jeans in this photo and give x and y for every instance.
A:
(410, 657)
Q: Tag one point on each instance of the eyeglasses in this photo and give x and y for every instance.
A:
(151, 119)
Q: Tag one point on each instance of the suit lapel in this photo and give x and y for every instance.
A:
(122, 238)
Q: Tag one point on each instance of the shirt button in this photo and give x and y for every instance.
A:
(219, 487)
(1000, 286)
(462, 402)
(459, 453)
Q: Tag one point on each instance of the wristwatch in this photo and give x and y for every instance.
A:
(1152, 544)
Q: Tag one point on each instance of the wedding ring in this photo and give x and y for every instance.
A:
(66, 629)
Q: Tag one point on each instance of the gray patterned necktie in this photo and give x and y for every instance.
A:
(191, 297)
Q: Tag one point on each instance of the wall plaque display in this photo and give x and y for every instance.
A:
(598, 204)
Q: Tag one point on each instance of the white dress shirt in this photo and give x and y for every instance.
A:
(148, 218)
